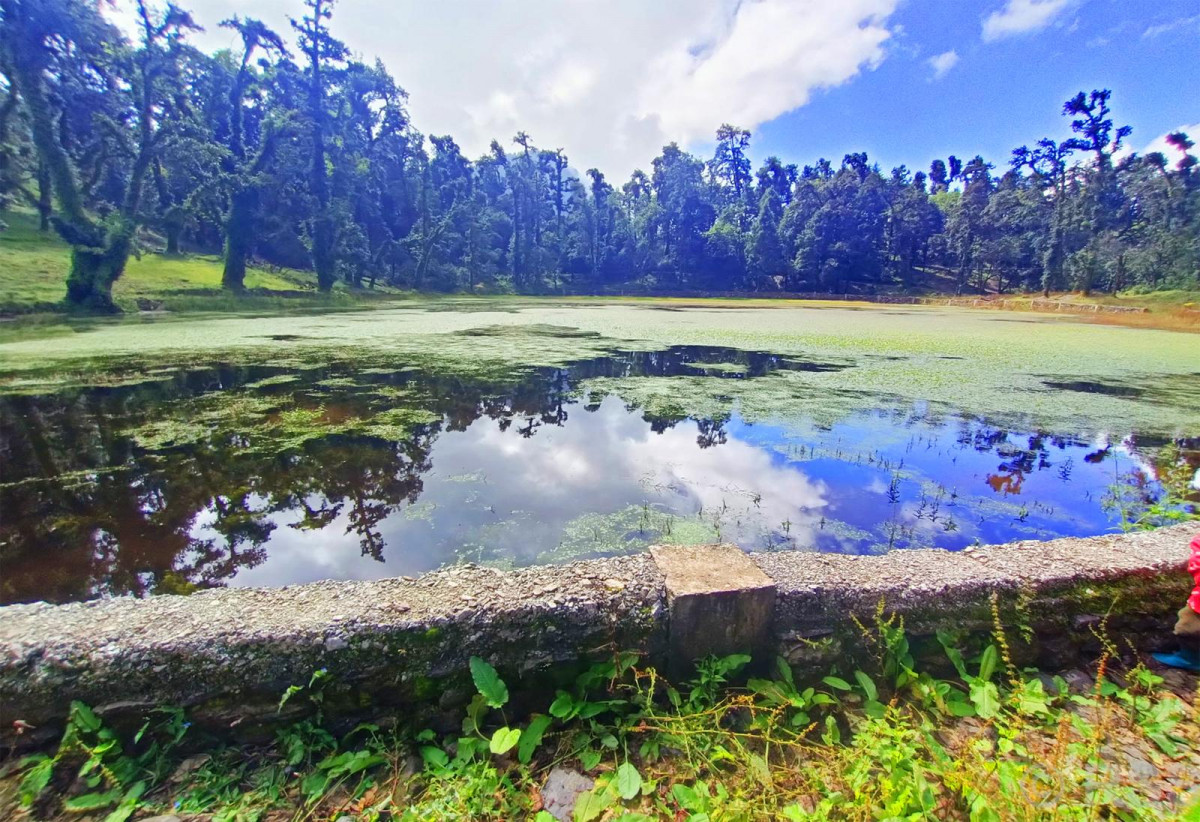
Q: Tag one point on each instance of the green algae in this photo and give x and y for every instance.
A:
(274, 424)
(954, 359)
(268, 382)
(627, 531)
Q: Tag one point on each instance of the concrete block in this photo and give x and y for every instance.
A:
(719, 602)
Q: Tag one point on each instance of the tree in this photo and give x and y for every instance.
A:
(1048, 165)
(730, 167)
(244, 164)
(964, 226)
(764, 251)
(1103, 205)
(322, 51)
(37, 35)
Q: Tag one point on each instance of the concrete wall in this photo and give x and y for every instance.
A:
(226, 650)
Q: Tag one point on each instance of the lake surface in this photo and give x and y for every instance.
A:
(270, 452)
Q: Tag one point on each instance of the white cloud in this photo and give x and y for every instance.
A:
(1173, 154)
(1021, 16)
(767, 59)
(611, 81)
(1172, 25)
(942, 63)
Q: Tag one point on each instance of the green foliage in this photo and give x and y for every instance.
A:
(488, 682)
(885, 741)
(369, 199)
(1142, 508)
(114, 774)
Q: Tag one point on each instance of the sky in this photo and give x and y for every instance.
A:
(612, 81)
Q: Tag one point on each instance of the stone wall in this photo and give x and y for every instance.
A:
(401, 640)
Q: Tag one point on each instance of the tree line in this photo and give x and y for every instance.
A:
(306, 157)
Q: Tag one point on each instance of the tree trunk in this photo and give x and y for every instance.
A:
(322, 252)
(94, 270)
(173, 231)
(45, 205)
(239, 238)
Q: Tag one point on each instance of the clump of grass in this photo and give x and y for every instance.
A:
(885, 740)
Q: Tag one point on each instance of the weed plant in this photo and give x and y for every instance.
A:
(887, 740)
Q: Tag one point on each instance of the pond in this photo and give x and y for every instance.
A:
(163, 458)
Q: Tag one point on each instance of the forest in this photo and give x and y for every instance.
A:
(304, 157)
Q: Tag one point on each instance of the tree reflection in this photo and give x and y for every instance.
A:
(86, 511)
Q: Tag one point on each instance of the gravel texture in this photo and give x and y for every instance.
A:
(1144, 571)
(401, 636)
(395, 632)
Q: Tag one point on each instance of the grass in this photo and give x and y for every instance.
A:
(887, 738)
(33, 267)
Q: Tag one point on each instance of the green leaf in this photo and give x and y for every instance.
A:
(434, 757)
(785, 670)
(832, 734)
(590, 709)
(488, 682)
(685, 796)
(987, 662)
(960, 707)
(953, 653)
(315, 784)
(563, 706)
(589, 759)
(867, 685)
(591, 804)
(92, 801)
(629, 781)
(986, 699)
(291, 691)
(129, 803)
(84, 717)
(504, 739)
(531, 737)
(36, 778)
(836, 682)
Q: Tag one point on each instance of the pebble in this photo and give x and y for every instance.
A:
(563, 786)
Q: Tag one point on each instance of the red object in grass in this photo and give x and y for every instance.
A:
(1193, 567)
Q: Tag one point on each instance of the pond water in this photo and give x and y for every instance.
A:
(254, 470)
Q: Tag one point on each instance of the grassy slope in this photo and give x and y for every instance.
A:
(33, 268)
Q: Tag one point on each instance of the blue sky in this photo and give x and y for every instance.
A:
(1003, 93)
(612, 81)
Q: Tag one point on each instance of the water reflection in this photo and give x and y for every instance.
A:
(256, 476)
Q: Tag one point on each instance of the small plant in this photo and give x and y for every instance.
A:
(114, 777)
(886, 740)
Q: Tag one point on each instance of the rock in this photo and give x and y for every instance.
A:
(1079, 681)
(720, 602)
(959, 736)
(187, 766)
(563, 786)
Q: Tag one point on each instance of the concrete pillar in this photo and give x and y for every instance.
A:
(718, 601)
